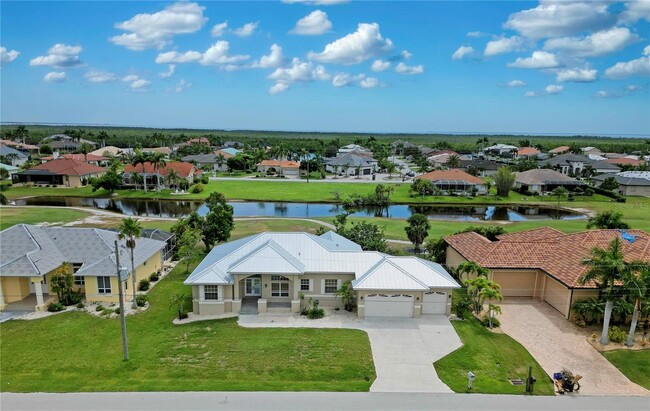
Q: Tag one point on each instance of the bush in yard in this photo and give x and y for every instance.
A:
(617, 335)
(141, 300)
(495, 322)
(462, 307)
(80, 305)
(55, 307)
(154, 277)
(75, 298)
(100, 308)
(205, 179)
(314, 312)
(144, 284)
(197, 188)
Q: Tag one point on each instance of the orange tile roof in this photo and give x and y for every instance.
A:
(528, 151)
(560, 150)
(78, 157)
(624, 161)
(453, 174)
(198, 140)
(277, 163)
(183, 169)
(68, 167)
(560, 255)
(224, 154)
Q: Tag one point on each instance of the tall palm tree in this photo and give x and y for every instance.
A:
(220, 160)
(141, 158)
(172, 178)
(130, 229)
(158, 162)
(637, 282)
(84, 149)
(453, 161)
(279, 152)
(606, 267)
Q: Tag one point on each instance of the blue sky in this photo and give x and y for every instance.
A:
(444, 66)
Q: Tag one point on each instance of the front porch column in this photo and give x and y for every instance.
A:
(236, 288)
(3, 305)
(38, 287)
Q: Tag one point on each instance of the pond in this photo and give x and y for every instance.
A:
(180, 208)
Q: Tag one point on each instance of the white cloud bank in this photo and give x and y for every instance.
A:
(538, 60)
(637, 67)
(380, 65)
(503, 45)
(597, 44)
(246, 30)
(313, 24)
(297, 72)
(59, 56)
(8, 56)
(462, 52)
(55, 77)
(402, 68)
(354, 48)
(577, 75)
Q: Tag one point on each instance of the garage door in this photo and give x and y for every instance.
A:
(389, 305)
(516, 283)
(557, 295)
(434, 302)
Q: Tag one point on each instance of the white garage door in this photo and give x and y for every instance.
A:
(434, 302)
(389, 305)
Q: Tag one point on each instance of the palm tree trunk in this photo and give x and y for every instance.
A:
(158, 179)
(604, 337)
(135, 304)
(144, 179)
(635, 319)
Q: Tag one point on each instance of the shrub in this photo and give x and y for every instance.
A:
(141, 300)
(486, 321)
(75, 298)
(117, 310)
(205, 179)
(304, 311)
(55, 307)
(144, 284)
(580, 322)
(183, 316)
(154, 277)
(617, 335)
(462, 307)
(197, 188)
(80, 305)
(315, 313)
(100, 308)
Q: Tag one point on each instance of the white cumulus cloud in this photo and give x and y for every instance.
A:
(139, 85)
(130, 78)
(402, 68)
(313, 24)
(553, 89)
(634, 11)
(176, 57)
(297, 72)
(55, 77)
(577, 75)
(8, 56)
(503, 45)
(218, 53)
(637, 67)
(278, 88)
(274, 59)
(246, 30)
(146, 30)
(171, 70)
(538, 60)
(364, 44)
(95, 76)
(596, 44)
(60, 56)
(369, 82)
(462, 52)
(346, 79)
(219, 29)
(380, 65)
(514, 84)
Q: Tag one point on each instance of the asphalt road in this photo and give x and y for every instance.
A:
(313, 401)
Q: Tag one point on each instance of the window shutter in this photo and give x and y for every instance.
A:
(311, 285)
(338, 284)
(322, 286)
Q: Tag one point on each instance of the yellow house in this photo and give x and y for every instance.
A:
(30, 255)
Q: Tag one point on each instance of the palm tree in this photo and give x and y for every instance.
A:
(220, 160)
(130, 229)
(84, 149)
(358, 171)
(470, 267)
(491, 293)
(559, 193)
(608, 220)
(391, 167)
(606, 267)
(158, 162)
(141, 158)
(637, 282)
(172, 177)
(453, 161)
(279, 152)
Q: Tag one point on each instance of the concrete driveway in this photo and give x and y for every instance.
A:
(557, 343)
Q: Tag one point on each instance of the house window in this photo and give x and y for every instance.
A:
(331, 286)
(280, 289)
(304, 284)
(104, 285)
(211, 292)
(278, 278)
(79, 280)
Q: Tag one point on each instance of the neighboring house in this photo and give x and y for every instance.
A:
(455, 181)
(162, 150)
(12, 156)
(559, 150)
(626, 161)
(147, 170)
(61, 172)
(441, 159)
(26, 148)
(279, 272)
(347, 164)
(567, 164)
(544, 180)
(591, 150)
(63, 142)
(603, 167)
(205, 160)
(229, 150)
(359, 150)
(160, 235)
(30, 254)
(485, 168)
(88, 158)
(109, 151)
(630, 183)
(501, 150)
(283, 167)
(10, 169)
(232, 144)
(527, 152)
(543, 263)
(199, 140)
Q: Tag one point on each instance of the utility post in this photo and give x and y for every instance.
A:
(121, 273)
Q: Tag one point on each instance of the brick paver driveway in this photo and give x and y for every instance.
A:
(556, 343)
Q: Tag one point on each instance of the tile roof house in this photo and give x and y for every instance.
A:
(559, 150)
(544, 180)
(88, 158)
(625, 161)
(527, 152)
(347, 164)
(485, 168)
(62, 171)
(543, 263)
(280, 167)
(631, 183)
(183, 170)
(19, 146)
(455, 180)
(30, 255)
(269, 272)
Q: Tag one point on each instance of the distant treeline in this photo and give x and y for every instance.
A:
(151, 137)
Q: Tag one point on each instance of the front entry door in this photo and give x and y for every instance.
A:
(253, 286)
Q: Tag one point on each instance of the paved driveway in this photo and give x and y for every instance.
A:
(556, 343)
(403, 349)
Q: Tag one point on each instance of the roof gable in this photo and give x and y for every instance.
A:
(269, 258)
(386, 275)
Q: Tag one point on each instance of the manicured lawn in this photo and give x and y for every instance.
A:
(10, 216)
(493, 358)
(634, 364)
(77, 352)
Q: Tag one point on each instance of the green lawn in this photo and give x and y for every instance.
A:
(493, 358)
(10, 216)
(634, 364)
(75, 352)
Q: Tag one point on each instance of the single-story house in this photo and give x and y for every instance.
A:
(280, 167)
(63, 142)
(147, 170)
(543, 263)
(567, 163)
(630, 183)
(280, 272)
(441, 159)
(502, 150)
(62, 172)
(348, 164)
(527, 152)
(544, 180)
(591, 150)
(109, 151)
(12, 156)
(30, 255)
(88, 158)
(10, 169)
(354, 148)
(211, 160)
(232, 144)
(559, 150)
(626, 161)
(455, 180)
(25, 148)
(198, 140)
(485, 168)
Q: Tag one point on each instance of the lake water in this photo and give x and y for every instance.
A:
(180, 208)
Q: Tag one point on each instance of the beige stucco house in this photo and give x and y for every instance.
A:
(30, 255)
(280, 272)
(543, 263)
